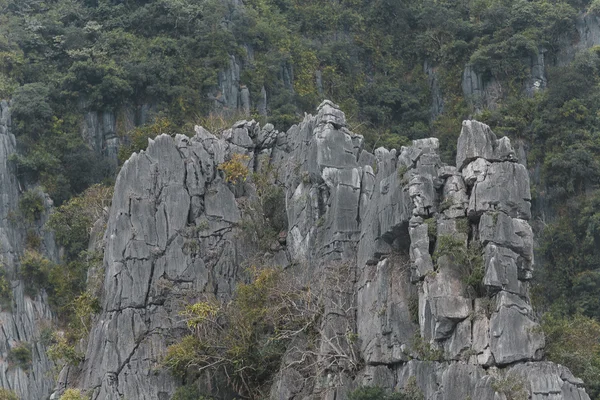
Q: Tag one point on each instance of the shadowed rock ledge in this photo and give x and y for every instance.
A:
(436, 261)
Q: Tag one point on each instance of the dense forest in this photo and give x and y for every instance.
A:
(396, 67)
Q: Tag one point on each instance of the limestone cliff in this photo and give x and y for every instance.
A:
(430, 262)
(22, 318)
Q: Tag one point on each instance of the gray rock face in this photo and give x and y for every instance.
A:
(437, 99)
(587, 35)
(170, 238)
(21, 317)
(100, 128)
(477, 140)
(481, 91)
(232, 95)
(397, 240)
(502, 190)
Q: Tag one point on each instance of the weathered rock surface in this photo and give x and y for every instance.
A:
(21, 317)
(104, 131)
(587, 35)
(425, 265)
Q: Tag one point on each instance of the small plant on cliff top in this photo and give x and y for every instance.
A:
(236, 169)
(138, 137)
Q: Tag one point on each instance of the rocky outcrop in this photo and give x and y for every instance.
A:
(425, 266)
(99, 130)
(171, 238)
(437, 98)
(483, 91)
(22, 318)
(587, 26)
(104, 131)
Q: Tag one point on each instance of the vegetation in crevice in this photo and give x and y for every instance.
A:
(20, 355)
(73, 394)
(264, 216)
(66, 282)
(468, 258)
(413, 308)
(31, 205)
(426, 351)
(513, 387)
(5, 289)
(243, 340)
(410, 392)
(6, 394)
(236, 168)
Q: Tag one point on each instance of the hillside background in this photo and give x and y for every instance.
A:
(91, 80)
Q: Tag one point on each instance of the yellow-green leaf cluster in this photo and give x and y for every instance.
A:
(236, 169)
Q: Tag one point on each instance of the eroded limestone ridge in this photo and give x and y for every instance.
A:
(21, 317)
(426, 265)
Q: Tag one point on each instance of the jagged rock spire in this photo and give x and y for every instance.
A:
(408, 304)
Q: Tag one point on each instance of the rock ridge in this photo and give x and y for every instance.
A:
(433, 261)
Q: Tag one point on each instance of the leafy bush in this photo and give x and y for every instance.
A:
(575, 343)
(244, 339)
(468, 259)
(20, 355)
(594, 7)
(62, 282)
(31, 205)
(236, 169)
(62, 352)
(35, 271)
(569, 248)
(32, 240)
(6, 394)
(73, 394)
(61, 163)
(187, 392)
(137, 139)
(73, 221)
(265, 217)
(85, 306)
(425, 350)
(5, 290)
(512, 387)
(32, 109)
